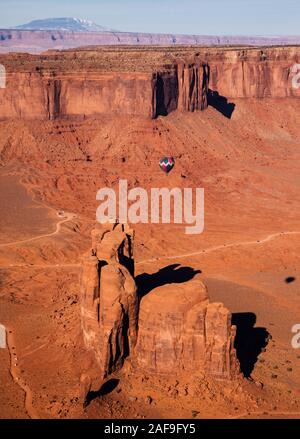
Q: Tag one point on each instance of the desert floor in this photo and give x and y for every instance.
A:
(248, 254)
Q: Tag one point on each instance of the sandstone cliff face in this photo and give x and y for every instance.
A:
(193, 82)
(109, 302)
(79, 95)
(24, 97)
(173, 329)
(32, 96)
(39, 96)
(180, 330)
(90, 83)
(265, 73)
(164, 92)
(183, 87)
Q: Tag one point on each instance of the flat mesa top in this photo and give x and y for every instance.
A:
(136, 58)
(174, 297)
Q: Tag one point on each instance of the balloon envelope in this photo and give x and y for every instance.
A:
(166, 164)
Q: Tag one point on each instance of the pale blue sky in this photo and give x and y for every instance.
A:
(210, 17)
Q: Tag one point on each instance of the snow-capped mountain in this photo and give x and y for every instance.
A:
(64, 24)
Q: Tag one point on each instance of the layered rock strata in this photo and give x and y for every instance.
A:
(140, 82)
(76, 96)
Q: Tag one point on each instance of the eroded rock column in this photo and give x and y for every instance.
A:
(109, 301)
(193, 82)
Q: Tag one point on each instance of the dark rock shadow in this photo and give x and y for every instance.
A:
(249, 341)
(171, 274)
(161, 109)
(125, 260)
(106, 388)
(220, 103)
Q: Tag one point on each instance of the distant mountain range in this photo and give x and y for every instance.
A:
(70, 33)
(64, 24)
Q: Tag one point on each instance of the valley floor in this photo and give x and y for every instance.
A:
(248, 255)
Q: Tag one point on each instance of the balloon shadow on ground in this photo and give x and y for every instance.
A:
(289, 279)
(249, 341)
(171, 274)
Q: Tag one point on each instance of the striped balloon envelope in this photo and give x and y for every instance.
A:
(166, 164)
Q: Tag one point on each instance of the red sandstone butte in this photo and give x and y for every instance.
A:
(174, 328)
(139, 82)
(179, 330)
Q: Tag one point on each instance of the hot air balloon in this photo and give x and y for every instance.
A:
(166, 164)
